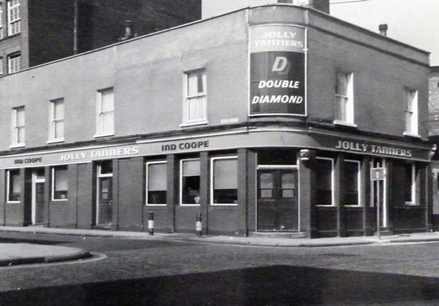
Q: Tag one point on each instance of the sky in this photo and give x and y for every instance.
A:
(414, 22)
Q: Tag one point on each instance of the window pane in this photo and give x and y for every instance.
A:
(266, 180)
(341, 87)
(408, 182)
(196, 107)
(157, 177)
(324, 182)
(288, 181)
(107, 100)
(59, 129)
(14, 185)
(191, 167)
(61, 183)
(106, 168)
(351, 183)
(20, 116)
(58, 110)
(107, 122)
(20, 135)
(191, 182)
(225, 181)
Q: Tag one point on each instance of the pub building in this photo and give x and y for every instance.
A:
(270, 119)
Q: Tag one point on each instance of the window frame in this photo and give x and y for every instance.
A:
(2, 25)
(100, 114)
(16, 128)
(14, 62)
(348, 97)
(411, 109)
(332, 160)
(187, 97)
(8, 187)
(359, 183)
(147, 164)
(53, 184)
(181, 182)
(14, 17)
(54, 121)
(212, 180)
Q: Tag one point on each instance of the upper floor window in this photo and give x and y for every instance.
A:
(14, 25)
(14, 62)
(2, 28)
(18, 126)
(344, 97)
(105, 113)
(195, 102)
(411, 112)
(56, 124)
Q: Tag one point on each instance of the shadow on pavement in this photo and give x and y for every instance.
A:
(273, 286)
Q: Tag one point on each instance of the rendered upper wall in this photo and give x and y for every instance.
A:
(147, 74)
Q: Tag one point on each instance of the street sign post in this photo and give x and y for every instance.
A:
(377, 175)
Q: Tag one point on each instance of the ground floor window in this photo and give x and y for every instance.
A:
(60, 183)
(410, 184)
(14, 186)
(324, 180)
(352, 182)
(156, 183)
(224, 181)
(190, 182)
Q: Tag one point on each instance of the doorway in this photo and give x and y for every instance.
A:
(378, 194)
(277, 191)
(38, 198)
(104, 199)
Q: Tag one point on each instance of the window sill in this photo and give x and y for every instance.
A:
(103, 135)
(408, 134)
(17, 146)
(326, 205)
(224, 205)
(189, 205)
(60, 200)
(190, 124)
(411, 204)
(55, 141)
(13, 202)
(155, 205)
(345, 123)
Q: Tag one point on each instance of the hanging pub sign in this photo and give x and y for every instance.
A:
(277, 70)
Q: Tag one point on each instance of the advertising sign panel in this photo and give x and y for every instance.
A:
(277, 70)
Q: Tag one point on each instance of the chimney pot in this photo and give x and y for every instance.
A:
(383, 29)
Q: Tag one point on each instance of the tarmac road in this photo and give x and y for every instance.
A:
(154, 272)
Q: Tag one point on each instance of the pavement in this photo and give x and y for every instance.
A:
(28, 253)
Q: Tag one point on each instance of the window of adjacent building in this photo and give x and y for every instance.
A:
(224, 182)
(18, 126)
(411, 112)
(1, 66)
(190, 182)
(325, 179)
(156, 183)
(2, 28)
(14, 62)
(14, 186)
(344, 97)
(195, 104)
(60, 183)
(105, 113)
(410, 183)
(56, 124)
(352, 182)
(14, 23)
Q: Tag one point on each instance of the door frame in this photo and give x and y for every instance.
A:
(278, 167)
(384, 220)
(35, 180)
(99, 176)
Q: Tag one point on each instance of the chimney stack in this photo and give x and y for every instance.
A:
(383, 29)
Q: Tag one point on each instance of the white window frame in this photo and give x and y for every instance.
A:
(332, 182)
(348, 99)
(100, 114)
(14, 20)
(16, 128)
(411, 113)
(146, 182)
(358, 182)
(413, 186)
(181, 181)
(8, 186)
(14, 62)
(187, 98)
(54, 121)
(212, 178)
(53, 185)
